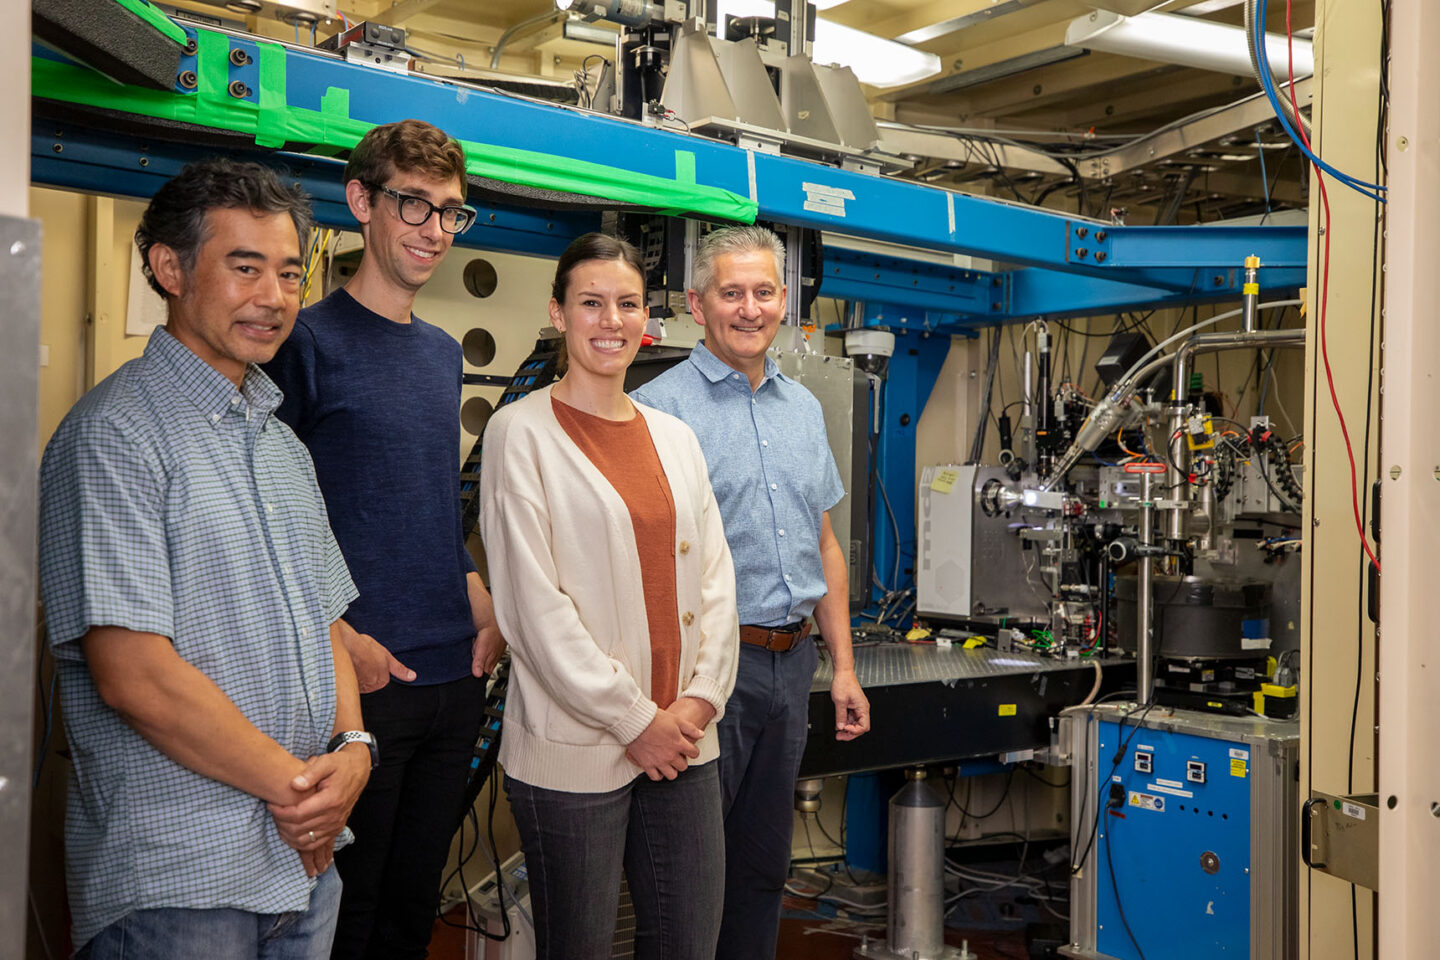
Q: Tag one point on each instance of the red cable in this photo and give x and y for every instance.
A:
(1325, 298)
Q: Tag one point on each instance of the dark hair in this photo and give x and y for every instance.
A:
(589, 246)
(176, 214)
(413, 146)
(593, 246)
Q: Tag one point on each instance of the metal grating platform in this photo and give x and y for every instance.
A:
(904, 663)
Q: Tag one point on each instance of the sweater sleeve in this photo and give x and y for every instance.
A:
(539, 620)
(719, 655)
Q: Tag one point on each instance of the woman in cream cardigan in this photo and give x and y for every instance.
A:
(613, 584)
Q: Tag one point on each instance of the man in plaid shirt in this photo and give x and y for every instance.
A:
(191, 585)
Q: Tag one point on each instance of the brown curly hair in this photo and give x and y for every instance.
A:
(413, 146)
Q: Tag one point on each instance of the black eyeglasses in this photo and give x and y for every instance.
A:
(417, 210)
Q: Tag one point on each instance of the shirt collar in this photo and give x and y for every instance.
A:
(716, 369)
(209, 389)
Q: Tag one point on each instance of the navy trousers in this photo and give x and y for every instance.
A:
(762, 738)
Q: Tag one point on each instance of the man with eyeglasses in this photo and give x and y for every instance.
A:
(374, 393)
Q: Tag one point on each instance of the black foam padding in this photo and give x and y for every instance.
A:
(104, 35)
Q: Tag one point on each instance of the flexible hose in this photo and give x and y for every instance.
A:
(1253, 29)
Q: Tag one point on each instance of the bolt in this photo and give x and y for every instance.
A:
(1314, 521)
(190, 47)
(1403, 143)
(144, 161)
(239, 57)
(1100, 236)
(1218, 280)
(1036, 89)
(1395, 472)
(1437, 471)
(238, 90)
(58, 148)
(188, 80)
(956, 65)
(1082, 253)
(1082, 232)
(17, 248)
(995, 305)
(1099, 256)
(492, 218)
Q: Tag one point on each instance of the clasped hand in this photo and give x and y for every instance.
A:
(322, 796)
(669, 743)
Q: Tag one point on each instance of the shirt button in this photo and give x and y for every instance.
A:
(688, 618)
(235, 400)
(214, 418)
(285, 567)
(684, 546)
(764, 443)
(782, 531)
(787, 578)
(269, 508)
(304, 631)
(734, 376)
(774, 486)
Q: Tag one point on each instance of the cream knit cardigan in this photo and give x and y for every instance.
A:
(565, 575)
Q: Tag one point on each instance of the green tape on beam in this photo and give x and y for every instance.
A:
(156, 19)
(274, 122)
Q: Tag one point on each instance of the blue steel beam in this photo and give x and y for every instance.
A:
(787, 190)
(62, 155)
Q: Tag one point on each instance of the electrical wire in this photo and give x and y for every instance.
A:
(1372, 190)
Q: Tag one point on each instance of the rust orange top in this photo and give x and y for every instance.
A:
(623, 451)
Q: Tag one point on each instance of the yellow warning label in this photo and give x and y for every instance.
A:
(1238, 768)
(944, 481)
(1007, 709)
(1250, 288)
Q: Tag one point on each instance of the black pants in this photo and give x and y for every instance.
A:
(406, 817)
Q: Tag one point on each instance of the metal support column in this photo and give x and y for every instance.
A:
(19, 416)
(1408, 923)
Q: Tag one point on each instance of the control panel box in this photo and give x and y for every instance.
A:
(1185, 831)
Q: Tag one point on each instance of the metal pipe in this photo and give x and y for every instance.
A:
(1250, 294)
(1108, 413)
(1180, 372)
(1144, 654)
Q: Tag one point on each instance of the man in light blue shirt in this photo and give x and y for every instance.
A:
(191, 588)
(775, 480)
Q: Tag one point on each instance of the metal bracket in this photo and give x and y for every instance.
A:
(1341, 836)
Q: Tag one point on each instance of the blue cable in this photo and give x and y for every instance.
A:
(1268, 83)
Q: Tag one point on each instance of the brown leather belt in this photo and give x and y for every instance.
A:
(775, 639)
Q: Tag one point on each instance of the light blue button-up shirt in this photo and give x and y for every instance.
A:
(173, 503)
(773, 473)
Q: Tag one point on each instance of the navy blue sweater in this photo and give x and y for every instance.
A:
(378, 404)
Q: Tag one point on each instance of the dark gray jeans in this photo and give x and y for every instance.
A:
(762, 738)
(668, 837)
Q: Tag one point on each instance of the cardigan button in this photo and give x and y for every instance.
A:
(688, 618)
(684, 546)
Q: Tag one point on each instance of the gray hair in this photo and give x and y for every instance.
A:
(740, 239)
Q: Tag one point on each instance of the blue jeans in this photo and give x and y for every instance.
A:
(668, 837)
(223, 934)
(762, 738)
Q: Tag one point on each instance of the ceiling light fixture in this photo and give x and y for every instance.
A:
(1185, 41)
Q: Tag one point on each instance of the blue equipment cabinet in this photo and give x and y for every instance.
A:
(1185, 829)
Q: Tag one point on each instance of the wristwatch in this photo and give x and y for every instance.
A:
(356, 736)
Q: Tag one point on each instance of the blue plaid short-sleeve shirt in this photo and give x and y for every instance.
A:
(773, 473)
(173, 503)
